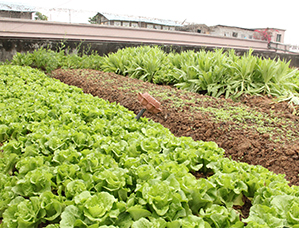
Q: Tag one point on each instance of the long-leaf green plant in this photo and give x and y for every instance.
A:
(241, 75)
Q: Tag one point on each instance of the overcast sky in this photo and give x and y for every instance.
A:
(241, 13)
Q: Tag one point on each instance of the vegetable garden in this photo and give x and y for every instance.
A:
(70, 159)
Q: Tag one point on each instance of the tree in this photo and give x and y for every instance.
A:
(96, 19)
(265, 34)
(40, 16)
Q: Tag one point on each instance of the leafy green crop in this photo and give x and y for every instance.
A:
(216, 73)
(49, 60)
(73, 160)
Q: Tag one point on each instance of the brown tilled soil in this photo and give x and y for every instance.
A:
(277, 148)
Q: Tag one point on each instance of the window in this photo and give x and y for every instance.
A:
(134, 25)
(198, 30)
(243, 36)
(235, 34)
(150, 26)
(278, 38)
(126, 24)
(117, 23)
(157, 26)
(226, 33)
(250, 36)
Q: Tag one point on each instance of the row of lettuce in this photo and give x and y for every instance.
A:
(69, 159)
(215, 73)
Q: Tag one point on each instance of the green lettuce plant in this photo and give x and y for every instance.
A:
(73, 160)
(23, 212)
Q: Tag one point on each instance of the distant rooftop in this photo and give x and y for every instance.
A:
(251, 29)
(118, 17)
(18, 7)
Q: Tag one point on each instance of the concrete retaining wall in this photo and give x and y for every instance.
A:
(10, 46)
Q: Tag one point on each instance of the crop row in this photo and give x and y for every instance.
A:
(73, 160)
(216, 73)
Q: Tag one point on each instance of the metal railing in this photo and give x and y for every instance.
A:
(286, 48)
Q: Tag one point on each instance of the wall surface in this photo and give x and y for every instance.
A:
(15, 28)
(13, 14)
(228, 31)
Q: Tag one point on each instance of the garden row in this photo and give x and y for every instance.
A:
(214, 73)
(69, 159)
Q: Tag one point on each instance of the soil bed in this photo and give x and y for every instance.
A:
(256, 130)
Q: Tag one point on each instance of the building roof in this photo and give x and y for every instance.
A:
(118, 17)
(251, 29)
(269, 28)
(232, 27)
(5, 6)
